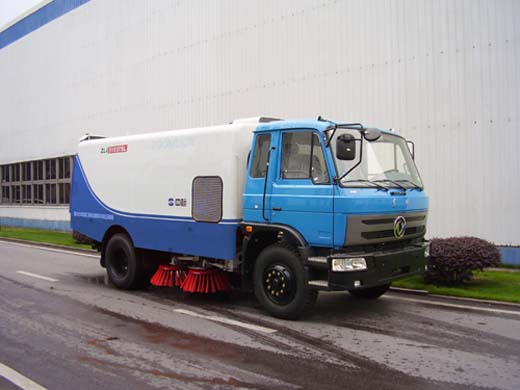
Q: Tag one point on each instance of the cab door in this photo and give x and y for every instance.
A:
(301, 194)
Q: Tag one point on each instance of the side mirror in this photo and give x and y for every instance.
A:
(346, 147)
(372, 134)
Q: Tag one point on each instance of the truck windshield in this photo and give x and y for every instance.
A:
(386, 162)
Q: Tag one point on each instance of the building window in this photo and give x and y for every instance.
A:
(5, 171)
(15, 172)
(38, 194)
(26, 194)
(38, 170)
(64, 167)
(50, 169)
(16, 194)
(50, 193)
(41, 182)
(26, 171)
(64, 190)
(6, 194)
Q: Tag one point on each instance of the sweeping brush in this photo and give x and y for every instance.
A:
(201, 280)
(165, 276)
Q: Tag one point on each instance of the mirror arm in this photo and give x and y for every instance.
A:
(333, 129)
(351, 126)
(413, 148)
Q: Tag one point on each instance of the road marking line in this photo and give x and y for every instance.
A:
(453, 305)
(51, 249)
(18, 379)
(37, 276)
(228, 321)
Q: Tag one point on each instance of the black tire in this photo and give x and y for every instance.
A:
(279, 282)
(124, 266)
(371, 292)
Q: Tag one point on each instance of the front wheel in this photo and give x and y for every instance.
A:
(371, 292)
(279, 282)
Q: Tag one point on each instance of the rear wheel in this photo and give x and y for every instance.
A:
(279, 282)
(124, 265)
(371, 292)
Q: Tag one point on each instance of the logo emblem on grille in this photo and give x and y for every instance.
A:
(399, 227)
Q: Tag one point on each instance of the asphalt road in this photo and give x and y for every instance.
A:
(73, 331)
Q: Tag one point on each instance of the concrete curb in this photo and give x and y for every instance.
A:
(503, 269)
(47, 245)
(423, 293)
(409, 291)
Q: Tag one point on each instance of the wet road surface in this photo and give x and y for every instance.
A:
(70, 330)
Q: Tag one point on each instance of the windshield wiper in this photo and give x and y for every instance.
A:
(391, 181)
(414, 186)
(379, 186)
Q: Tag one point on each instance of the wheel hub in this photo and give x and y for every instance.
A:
(120, 263)
(278, 284)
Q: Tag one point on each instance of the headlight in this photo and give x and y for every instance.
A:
(349, 264)
(427, 251)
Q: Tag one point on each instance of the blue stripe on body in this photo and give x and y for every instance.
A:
(90, 216)
(37, 19)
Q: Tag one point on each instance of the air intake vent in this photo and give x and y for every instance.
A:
(206, 204)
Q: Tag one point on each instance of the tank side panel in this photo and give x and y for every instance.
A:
(141, 174)
(90, 216)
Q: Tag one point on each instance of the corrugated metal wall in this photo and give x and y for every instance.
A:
(445, 73)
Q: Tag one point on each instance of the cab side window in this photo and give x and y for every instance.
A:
(302, 157)
(260, 155)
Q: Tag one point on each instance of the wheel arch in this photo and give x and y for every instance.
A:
(260, 237)
(111, 231)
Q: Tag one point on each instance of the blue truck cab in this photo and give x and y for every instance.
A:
(330, 206)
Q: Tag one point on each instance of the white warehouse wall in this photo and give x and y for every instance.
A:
(445, 73)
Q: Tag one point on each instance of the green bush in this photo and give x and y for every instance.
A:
(453, 260)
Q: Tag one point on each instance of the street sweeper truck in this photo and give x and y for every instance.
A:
(282, 208)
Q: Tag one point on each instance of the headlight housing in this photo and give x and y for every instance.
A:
(349, 264)
(427, 251)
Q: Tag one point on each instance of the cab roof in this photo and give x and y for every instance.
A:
(320, 125)
(293, 124)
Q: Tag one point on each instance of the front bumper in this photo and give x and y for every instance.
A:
(383, 267)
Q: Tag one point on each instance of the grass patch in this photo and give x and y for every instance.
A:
(39, 235)
(494, 285)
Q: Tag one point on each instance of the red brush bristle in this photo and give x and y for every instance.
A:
(180, 276)
(165, 276)
(206, 281)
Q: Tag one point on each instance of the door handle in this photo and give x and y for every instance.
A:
(277, 209)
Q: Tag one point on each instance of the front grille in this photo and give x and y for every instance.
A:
(373, 229)
(391, 220)
(390, 233)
